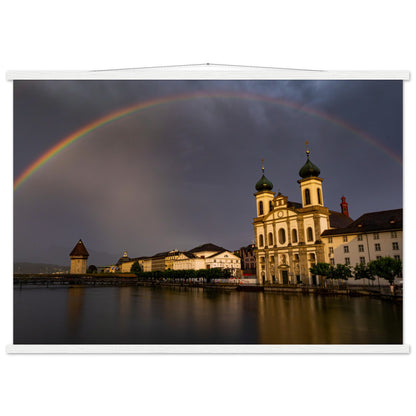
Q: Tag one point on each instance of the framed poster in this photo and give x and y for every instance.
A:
(208, 209)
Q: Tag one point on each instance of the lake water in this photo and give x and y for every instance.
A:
(141, 315)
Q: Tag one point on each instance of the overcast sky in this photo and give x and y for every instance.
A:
(183, 173)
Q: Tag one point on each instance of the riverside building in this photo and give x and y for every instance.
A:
(205, 256)
(288, 234)
(291, 237)
(370, 237)
(248, 258)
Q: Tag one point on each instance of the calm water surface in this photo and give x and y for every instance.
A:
(139, 315)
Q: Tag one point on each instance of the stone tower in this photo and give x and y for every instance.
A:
(79, 256)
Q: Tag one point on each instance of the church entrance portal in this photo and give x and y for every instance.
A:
(285, 277)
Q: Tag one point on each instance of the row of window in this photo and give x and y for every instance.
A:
(347, 260)
(377, 247)
(376, 236)
(282, 237)
(307, 194)
(283, 259)
(227, 261)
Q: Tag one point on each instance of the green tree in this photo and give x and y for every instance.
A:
(136, 268)
(387, 268)
(363, 271)
(226, 274)
(321, 269)
(92, 269)
(341, 272)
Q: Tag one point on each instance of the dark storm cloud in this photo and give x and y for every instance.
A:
(183, 173)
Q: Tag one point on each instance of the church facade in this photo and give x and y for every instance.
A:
(288, 234)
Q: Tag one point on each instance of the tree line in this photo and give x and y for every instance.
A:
(173, 275)
(385, 268)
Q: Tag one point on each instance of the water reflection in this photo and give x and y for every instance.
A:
(309, 319)
(75, 304)
(137, 315)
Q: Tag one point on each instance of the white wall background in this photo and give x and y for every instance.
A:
(100, 34)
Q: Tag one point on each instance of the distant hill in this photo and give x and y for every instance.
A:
(26, 268)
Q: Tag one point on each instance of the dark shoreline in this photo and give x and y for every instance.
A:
(20, 280)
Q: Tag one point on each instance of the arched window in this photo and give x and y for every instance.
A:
(282, 236)
(309, 233)
(270, 206)
(307, 197)
(319, 196)
(261, 240)
(270, 239)
(261, 208)
(294, 236)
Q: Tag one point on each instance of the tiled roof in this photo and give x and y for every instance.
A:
(79, 250)
(372, 222)
(338, 220)
(123, 259)
(190, 255)
(216, 254)
(206, 247)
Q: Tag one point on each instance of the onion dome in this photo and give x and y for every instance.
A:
(309, 170)
(263, 184)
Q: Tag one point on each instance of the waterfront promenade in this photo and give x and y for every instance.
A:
(51, 280)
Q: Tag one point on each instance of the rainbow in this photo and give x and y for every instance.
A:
(125, 112)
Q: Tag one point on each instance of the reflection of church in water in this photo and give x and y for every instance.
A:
(288, 234)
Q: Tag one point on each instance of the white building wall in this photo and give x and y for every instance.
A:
(260, 231)
(385, 240)
(282, 225)
(265, 197)
(189, 264)
(225, 260)
(313, 184)
(368, 243)
(308, 222)
(293, 225)
(269, 229)
(324, 224)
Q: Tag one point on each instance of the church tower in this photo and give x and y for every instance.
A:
(264, 195)
(310, 184)
(313, 220)
(79, 256)
(344, 207)
(288, 234)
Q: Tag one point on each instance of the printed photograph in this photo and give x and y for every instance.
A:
(208, 212)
